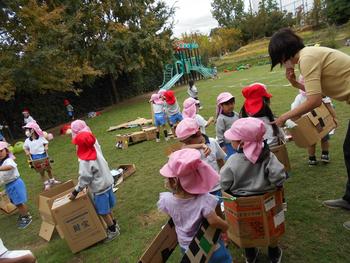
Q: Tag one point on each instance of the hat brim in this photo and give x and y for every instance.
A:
(166, 171)
(232, 136)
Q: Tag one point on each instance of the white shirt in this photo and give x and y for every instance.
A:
(216, 153)
(28, 120)
(158, 108)
(11, 175)
(270, 138)
(201, 123)
(35, 146)
(3, 249)
(300, 98)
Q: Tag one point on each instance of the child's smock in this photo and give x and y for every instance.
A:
(187, 214)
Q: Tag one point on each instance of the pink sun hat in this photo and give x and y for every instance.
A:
(195, 176)
(78, 126)
(186, 128)
(223, 97)
(155, 98)
(4, 145)
(190, 108)
(251, 131)
(33, 125)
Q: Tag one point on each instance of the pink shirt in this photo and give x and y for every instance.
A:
(187, 214)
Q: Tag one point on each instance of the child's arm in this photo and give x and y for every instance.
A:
(201, 146)
(86, 175)
(217, 222)
(4, 168)
(220, 129)
(209, 121)
(220, 162)
(276, 172)
(226, 177)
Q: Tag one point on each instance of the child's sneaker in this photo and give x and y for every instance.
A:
(157, 140)
(111, 235)
(251, 255)
(312, 161)
(47, 185)
(53, 181)
(24, 221)
(275, 255)
(167, 139)
(325, 158)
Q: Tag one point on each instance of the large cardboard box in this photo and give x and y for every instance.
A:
(151, 133)
(123, 140)
(312, 127)
(200, 249)
(46, 200)
(78, 221)
(282, 155)
(255, 221)
(5, 204)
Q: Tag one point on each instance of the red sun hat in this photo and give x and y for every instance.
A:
(169, 97)
(66, 102)
(86, 150)
(254, 95)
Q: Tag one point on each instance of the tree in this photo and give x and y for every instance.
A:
(228, 13)
(337, 11)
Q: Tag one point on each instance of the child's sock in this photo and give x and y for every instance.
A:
(325, 152)
(157, 134)
(312, 158)
(112, 228)
(165, 133)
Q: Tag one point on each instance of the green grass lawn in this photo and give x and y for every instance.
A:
(313, 232)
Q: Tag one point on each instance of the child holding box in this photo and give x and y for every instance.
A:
(190, 179)
(95, 175)
(253, 170)
(15, 187)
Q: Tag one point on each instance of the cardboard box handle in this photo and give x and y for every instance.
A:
(320, 120)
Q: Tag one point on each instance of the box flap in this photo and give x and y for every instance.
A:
(46, 230)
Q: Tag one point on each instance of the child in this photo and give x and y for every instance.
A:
(188, 132)
(299, 99)
(12, 256)
(95, 174)
(256, 104)
(193, 92)
(190, 179)
(27, 118)
(225, 117)
(36, 147)
(191, 107)
(172, 109)
(159, 115)
(253, 170)
(15, 187)
(69, 108)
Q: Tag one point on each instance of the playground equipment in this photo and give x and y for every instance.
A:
(186, 65)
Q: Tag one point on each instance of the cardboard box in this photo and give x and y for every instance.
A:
(173, 148)
(46, 200)
(123, 140)
(128, 169)
(151, 133)
(78, 221)
(200, 250)
(137, 137)
(312, 127)
(5, 204)
(282, 155)
(255, 221)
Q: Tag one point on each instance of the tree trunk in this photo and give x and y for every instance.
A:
(114, 91)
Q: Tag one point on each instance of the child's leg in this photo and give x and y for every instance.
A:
(22, 209)
(274, 252)
(325, 149)
(165, 132)
(158, 134)
(312, 154)
(251, 254)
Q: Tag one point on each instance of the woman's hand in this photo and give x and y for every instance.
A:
(279, 121)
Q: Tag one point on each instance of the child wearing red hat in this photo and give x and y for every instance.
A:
(95, 175)
(172, 109)
(190, 179)
(256, 104)
(69, 108)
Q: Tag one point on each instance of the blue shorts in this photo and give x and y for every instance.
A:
(217, 194)
(17, 192)
(229, 150)
(38, 156)
(105, 202)
(221, 255)
(159, 119)
(173, 119)
(70, 113)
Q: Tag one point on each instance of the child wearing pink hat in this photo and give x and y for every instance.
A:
(14, 185)
(190, 179)
(158, 108)
(189, 133)
(301, 98)
(225, 117)
(95, 175)
(36, 147)
(191, 107)
(253, 170)
(257, 105)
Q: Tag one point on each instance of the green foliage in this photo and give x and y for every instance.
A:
(337, 11)
(228, 13)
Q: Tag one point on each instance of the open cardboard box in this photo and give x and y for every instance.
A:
(78, 221)
(123, 140)
(312, 127)
(46, 200)
(255, 221)
(5, 204)
(200, 250)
